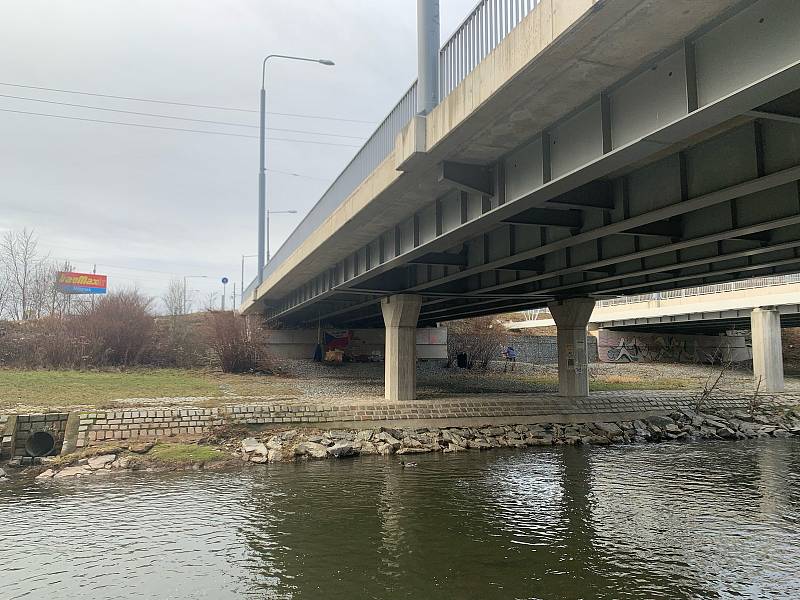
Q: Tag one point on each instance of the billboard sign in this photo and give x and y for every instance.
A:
(81, 283)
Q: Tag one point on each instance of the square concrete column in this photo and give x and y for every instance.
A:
(572, 317)
(400, 315)
(765, 327)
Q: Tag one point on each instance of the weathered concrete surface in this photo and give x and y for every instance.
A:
(400, 314)
(572, 316)
(767, 350)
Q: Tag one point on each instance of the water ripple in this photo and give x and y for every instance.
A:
(638, 522)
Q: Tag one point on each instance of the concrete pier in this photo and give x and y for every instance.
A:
(400, 315)
(572, 317)
(765, 326)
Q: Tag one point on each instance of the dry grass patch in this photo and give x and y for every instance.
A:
(57, 389)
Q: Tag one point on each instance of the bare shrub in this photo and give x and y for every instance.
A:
(44, 343)
(704, 396)
(237, 342)
(481, 339)
(117, 330)
(179, 341)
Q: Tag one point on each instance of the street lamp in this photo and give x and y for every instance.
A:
(262, 179)
(185, 277)
(276, 212)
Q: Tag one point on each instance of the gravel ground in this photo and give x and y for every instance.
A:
(365, 380)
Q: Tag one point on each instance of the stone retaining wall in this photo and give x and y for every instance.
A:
(134, 424)
(99, 426)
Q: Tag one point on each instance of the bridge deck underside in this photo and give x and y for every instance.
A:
(715, 199)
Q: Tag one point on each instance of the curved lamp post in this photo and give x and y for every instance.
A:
(262, 184)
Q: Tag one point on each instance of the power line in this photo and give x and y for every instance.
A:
(211, 122)
(240, 135)
(249, 110)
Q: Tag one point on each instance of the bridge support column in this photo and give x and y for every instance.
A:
(765, 327)
(400, 315)
(572, 317)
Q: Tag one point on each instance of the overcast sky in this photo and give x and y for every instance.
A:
(149, 204)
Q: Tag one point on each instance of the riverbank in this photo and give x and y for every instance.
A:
(40, 391)
(235, 447)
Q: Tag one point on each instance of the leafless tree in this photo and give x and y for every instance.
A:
(481, 339)
(22, 264)
(173, 297)
(211, 302)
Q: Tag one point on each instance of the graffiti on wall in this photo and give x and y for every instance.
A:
(628, 347)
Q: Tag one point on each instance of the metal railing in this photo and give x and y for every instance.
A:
(732, 286)
(483, 29)
(480, 33)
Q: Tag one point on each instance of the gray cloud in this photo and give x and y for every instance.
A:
(128, 198)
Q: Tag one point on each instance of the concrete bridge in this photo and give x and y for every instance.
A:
(708, 309)
(761, 305)
(559, 152)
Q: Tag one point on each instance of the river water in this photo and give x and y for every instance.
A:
(705, 520)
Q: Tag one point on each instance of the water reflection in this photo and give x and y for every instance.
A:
(666, 521)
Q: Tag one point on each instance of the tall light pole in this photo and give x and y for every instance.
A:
(276, 212)
(262, 178)
(185, 277)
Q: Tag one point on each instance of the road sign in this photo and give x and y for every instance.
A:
(224, 280)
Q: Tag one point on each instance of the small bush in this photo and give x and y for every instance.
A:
(481, 339)
(117, 330)
(237, 342)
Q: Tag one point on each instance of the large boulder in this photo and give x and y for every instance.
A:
(611, 430)
(341, 434)
(388, 438)
(77, 471)
(251, 444)
(252, 448)
(341, 449)
(365, 435)
(492, 431)
(100, 462)
(312, 449)
(275, 443)
(659, 421)
(141, 447)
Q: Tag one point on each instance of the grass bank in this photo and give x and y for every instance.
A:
(104, 389)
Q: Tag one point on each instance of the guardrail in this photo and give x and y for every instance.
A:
(717, 288)
(483, 29)
(745, 284)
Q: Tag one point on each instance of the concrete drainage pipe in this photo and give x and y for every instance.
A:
(40, 443)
